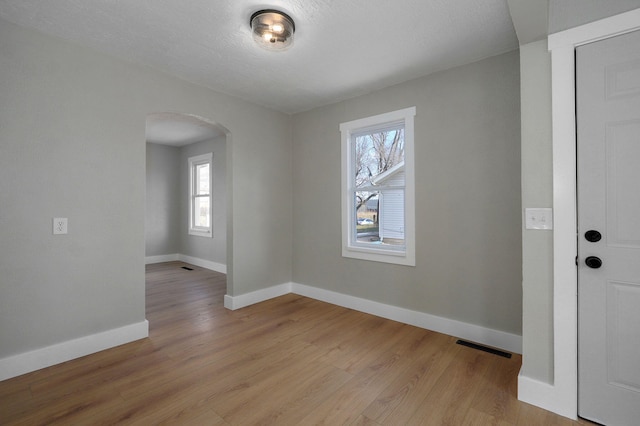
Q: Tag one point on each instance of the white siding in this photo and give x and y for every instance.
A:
(392, 208)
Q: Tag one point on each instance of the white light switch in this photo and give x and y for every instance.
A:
(59, 225)
(538, 218)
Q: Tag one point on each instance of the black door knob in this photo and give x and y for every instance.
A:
(592, 236)
(593, 262)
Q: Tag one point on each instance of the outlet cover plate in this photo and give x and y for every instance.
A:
(59, 225)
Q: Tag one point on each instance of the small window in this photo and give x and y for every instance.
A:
(200, 177)
(378, 218)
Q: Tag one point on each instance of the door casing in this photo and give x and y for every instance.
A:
(561, 397)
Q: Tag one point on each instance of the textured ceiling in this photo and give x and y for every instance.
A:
(342, 48)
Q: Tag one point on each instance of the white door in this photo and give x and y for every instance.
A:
(608, 126)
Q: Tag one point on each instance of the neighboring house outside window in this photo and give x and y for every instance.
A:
(391, 204)
(378, 207)
(201, 183)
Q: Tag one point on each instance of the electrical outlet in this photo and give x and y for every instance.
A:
(59, 225)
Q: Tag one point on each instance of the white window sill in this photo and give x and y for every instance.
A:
(197, 233)
(378, 255)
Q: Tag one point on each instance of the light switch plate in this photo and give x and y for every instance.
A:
(59, 225)
(538, 218)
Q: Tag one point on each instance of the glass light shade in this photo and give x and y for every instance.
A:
(272, 29)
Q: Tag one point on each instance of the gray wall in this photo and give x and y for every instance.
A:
(537, 191)
(162, 213)
(72, 144)
(467, 145)
(213, 249)
(565, 14)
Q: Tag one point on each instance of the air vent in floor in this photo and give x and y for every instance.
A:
(484, 348)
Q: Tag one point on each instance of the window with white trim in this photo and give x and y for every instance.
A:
(378, 207)
(200, 186)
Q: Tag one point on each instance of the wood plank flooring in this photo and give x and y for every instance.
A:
(287, 361)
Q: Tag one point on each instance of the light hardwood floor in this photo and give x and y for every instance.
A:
(287, 361)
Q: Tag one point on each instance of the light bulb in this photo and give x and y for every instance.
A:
(267, 36)
(277, 28)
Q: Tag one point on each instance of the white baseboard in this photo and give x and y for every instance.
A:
(237, 302)
(162, 258)
(27, 362)
(544, 395)
(214, 266)
(486, 336)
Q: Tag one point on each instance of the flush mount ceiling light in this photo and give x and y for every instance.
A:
(272, 29)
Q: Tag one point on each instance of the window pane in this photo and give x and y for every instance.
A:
(202, 179)
(201, 212)
(366, 208)
(375, 153)
(380, 217)
(379, 162)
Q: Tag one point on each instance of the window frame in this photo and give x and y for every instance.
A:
(194, 162)
(350, 130)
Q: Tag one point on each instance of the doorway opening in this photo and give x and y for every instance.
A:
(171, 140)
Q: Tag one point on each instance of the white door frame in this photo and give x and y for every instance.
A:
(563, 394)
